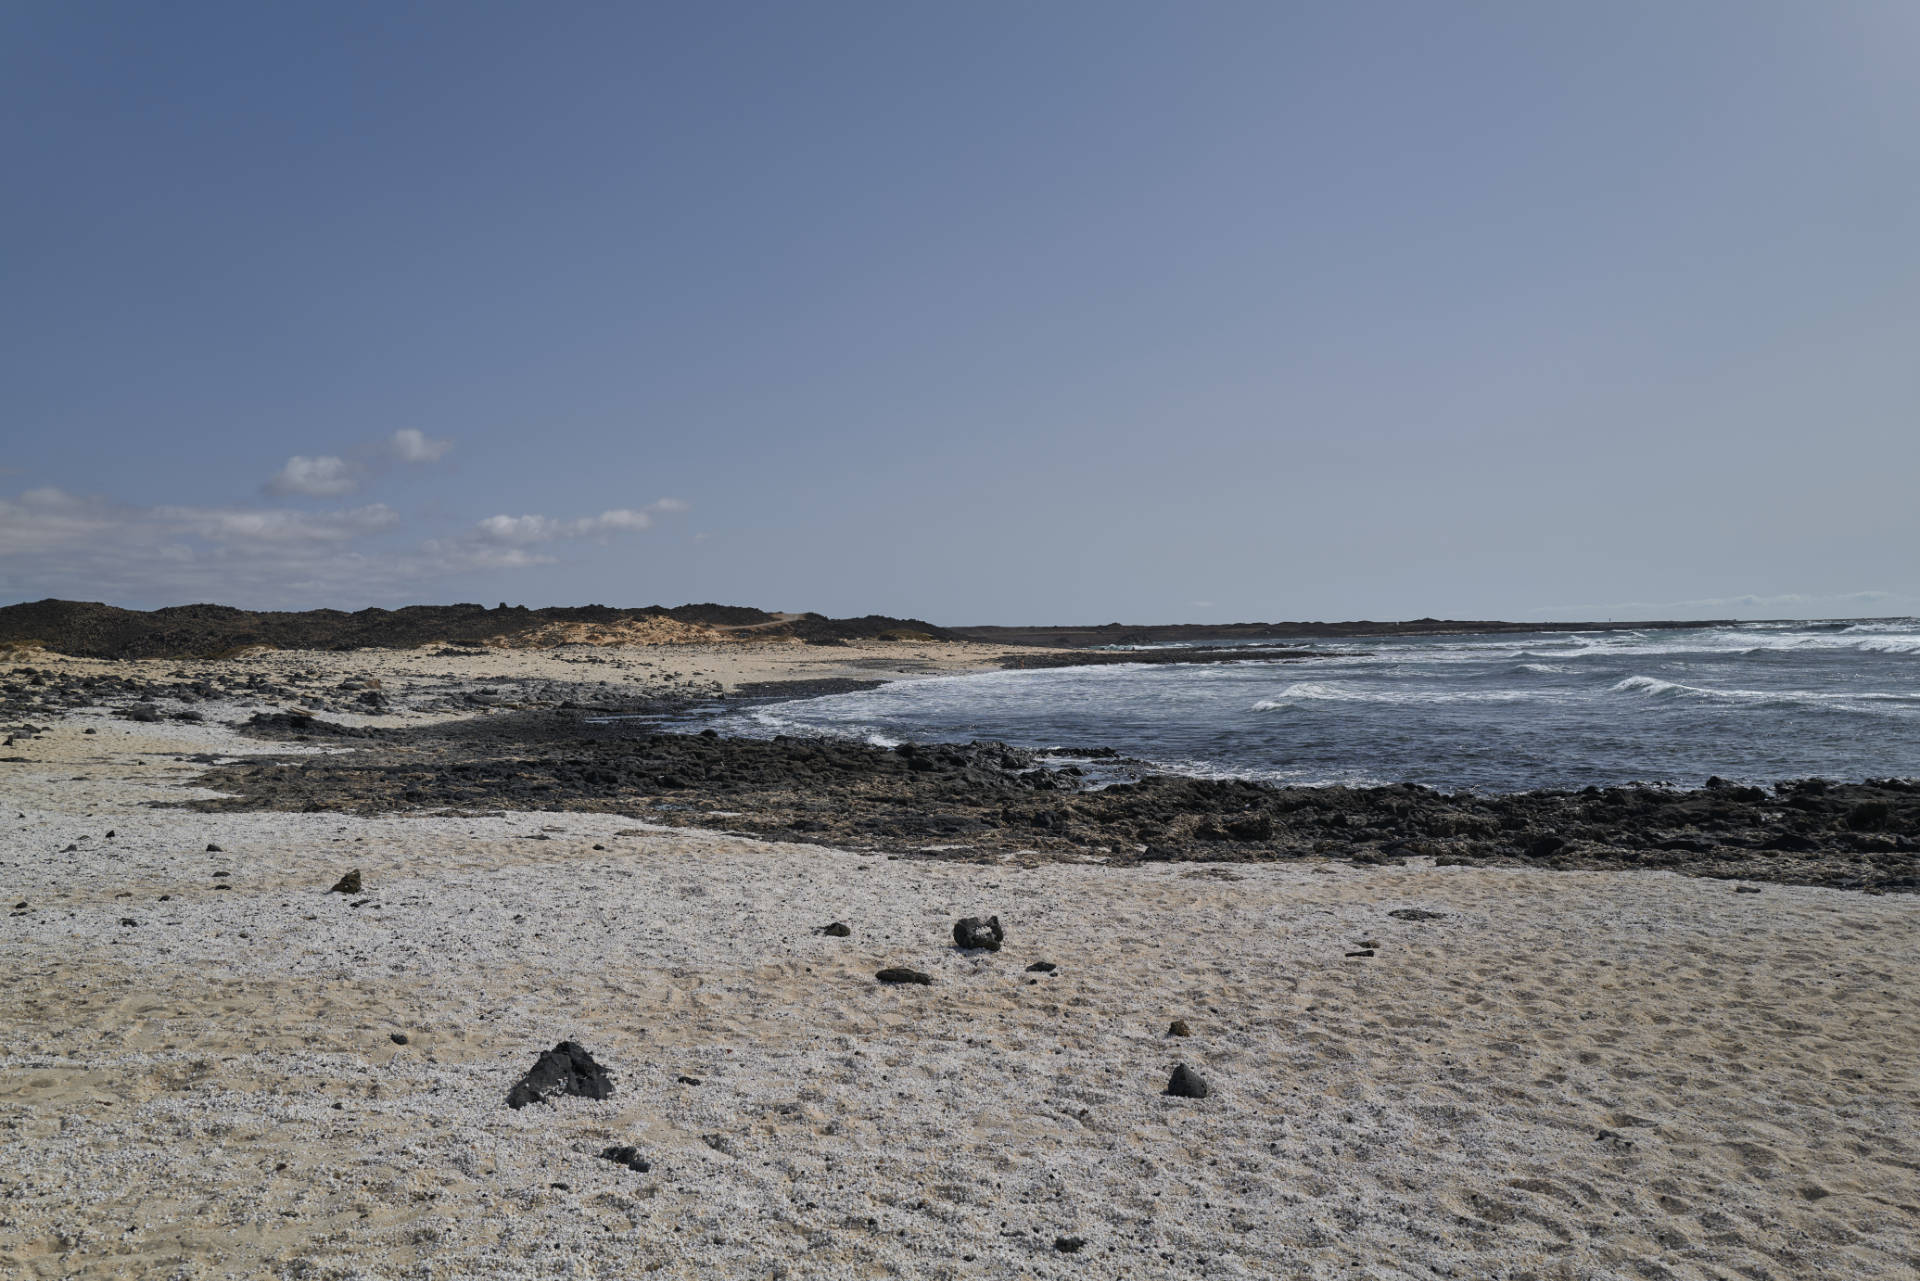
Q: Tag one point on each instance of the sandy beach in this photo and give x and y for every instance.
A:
(1553, 1074)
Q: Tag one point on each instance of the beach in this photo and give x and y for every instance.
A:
(1532, 1071)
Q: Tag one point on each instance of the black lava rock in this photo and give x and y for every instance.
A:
(1416, 914)
(630, 1157)
(1069, 1245)
(1042, 967)
(972, 932)
(1185, 1083)
(565, 1069)
(398, 1038)
(348, 884)
(839, 929)
(901, 974)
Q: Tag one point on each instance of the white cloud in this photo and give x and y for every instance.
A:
(224, 524)
(518, 529)
(53, 543)
(542, 529)
(621, 520)
(40, 519)
(324, 476)
(411, 445)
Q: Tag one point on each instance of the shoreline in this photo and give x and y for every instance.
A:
(214, 1067)
(526, 728)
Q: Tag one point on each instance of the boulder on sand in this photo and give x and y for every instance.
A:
(565, 1069)
(972, 932)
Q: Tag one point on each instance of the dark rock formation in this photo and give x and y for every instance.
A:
(1185, 1083)
(348, 884)
(901, 974)
(565, 1069)
(975, 932)
(629, 1157)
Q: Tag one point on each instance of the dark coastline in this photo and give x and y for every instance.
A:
(95, 630)
(591, 745)
(987, 802)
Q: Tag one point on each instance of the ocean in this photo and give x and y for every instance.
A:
(1751, 703)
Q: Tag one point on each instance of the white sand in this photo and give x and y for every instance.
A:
(1573, 1075)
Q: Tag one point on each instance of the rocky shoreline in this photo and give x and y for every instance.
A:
(528, 743)
(985, 802)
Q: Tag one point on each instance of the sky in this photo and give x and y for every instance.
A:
(980, 313)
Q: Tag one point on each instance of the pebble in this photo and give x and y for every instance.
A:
(629, 1156)
(901, 974)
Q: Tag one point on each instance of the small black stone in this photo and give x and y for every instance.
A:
(687, 1080)
(622, 1154)
(1042, 967)
(398, 1038)
(348, 884)
(1185, 1083)
(901, 974)
(214, 849)
(1179, 1028)
(1416, 914)
(839, 929)
(1069, 1245)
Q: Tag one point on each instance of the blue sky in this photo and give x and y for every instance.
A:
(982, 312)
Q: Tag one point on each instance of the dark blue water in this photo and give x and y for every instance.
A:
(1752, 703)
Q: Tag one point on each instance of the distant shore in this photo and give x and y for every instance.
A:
(93, 630)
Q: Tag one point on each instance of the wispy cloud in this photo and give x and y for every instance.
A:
(542, 529)
(323, 476)
(56, 543)
(230, 524)
(411, 445)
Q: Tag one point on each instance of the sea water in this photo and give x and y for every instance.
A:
(1754, 702)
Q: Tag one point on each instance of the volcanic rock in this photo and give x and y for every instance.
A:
(565, 1069)
(628, 1156)
(901, 974)
(972, 932)
(1185, 1083)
